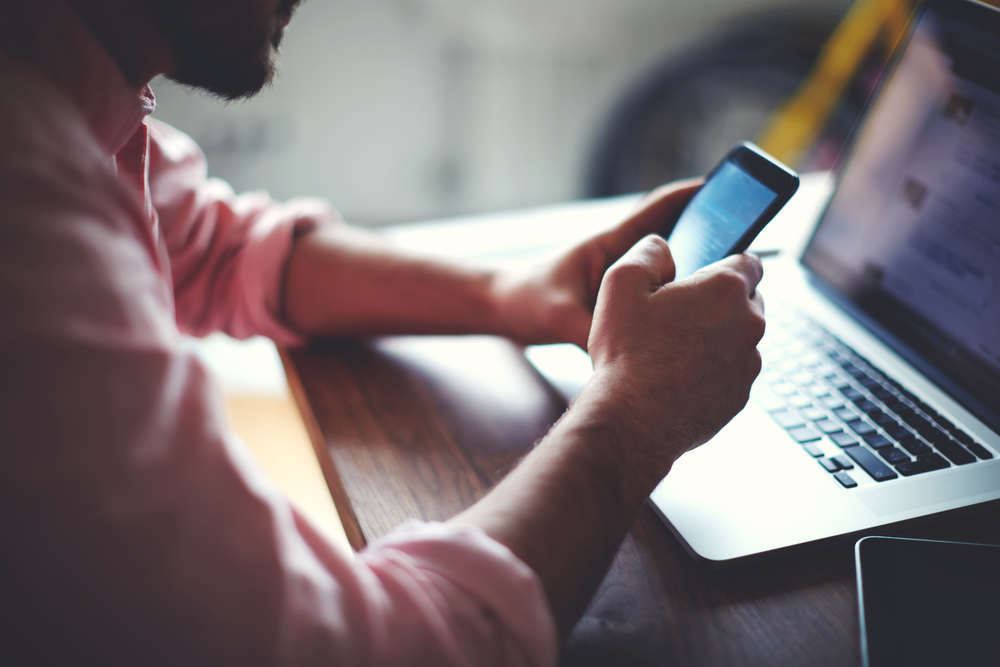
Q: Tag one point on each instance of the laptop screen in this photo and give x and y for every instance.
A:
(912, 234)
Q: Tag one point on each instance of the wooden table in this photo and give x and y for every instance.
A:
(422, 427)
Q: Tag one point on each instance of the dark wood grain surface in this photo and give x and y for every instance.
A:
(423, 427)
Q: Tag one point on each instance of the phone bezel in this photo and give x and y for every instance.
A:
(771, 174)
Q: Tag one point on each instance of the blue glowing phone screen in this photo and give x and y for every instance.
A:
(715, 219)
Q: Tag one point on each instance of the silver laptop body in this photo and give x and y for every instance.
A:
(900, 284)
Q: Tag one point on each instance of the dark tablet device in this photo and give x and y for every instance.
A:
(741, 195)
(928, 603)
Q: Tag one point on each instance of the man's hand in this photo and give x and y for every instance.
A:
(673, 362)
(677, 357)
(554, 302)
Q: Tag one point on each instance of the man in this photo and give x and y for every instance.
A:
(135, 528)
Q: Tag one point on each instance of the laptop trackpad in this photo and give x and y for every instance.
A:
(962, 484)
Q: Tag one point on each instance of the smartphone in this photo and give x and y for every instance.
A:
(928, 603)
(740, 196)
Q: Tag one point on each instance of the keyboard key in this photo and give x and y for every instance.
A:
(809, 360)
(898, 432)
(961, 436)
(849, 366)
(816, 390)
(843, 439)
(942, 422)
(925, 463)
(786, 366)
(979, 450)
(831, 402)
(861, 427)
(877, 441)
(869, 383)
(827, 426)
(955, 452)
(770, 376)
(804, 434)
(843, 462)
(894, 405)
(866, 406)
(915, 420)
(850, 393)
(846, 414)
(812, 413)
(798, 400)
(784, 389)
(916, 447)
(829, 464)
(813, 450)
(801, 379)
(934, 436)
(845, 480)
(894, 455)
(766, 399)
(870, 463)
(883, 419)
(838, 382)
(882, 394)
(787, 419)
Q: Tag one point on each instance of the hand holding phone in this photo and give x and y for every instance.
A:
(740, 196)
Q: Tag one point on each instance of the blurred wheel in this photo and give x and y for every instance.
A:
(683, 115)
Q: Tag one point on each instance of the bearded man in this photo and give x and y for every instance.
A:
(136, 528)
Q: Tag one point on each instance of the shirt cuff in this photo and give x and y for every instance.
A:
(265, 263)
(489, 573)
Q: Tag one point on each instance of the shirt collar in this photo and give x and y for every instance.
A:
(50, 36)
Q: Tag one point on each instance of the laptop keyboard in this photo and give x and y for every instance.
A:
(822, 392)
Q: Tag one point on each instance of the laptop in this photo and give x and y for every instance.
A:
(879, 399)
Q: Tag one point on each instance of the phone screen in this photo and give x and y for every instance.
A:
(730, 202)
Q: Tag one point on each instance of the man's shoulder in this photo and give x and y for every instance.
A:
(171, 151)
(52, 167)
(38, 118)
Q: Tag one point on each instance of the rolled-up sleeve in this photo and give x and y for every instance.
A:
(228, 252)
(137, 529)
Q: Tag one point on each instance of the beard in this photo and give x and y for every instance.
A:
(226, 47)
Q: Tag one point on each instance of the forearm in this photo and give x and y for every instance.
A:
(346, 281)
(567, 507)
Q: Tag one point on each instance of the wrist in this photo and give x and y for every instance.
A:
(497, 290)
(507, 304)
(616, 425)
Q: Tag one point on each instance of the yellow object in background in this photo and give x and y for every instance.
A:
(793, 127)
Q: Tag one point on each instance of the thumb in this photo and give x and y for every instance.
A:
(645, 266)
(656, 213)
(640, 272)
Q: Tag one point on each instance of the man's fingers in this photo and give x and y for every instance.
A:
(647, 265)
(747, 266)
(659, 208)
(684, 188)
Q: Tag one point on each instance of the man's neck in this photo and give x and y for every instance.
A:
(131, 39)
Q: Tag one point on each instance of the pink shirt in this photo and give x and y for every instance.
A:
(135, 528)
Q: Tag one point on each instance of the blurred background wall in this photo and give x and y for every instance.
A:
(412, 109)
